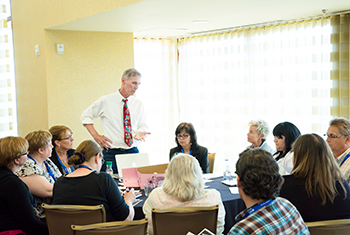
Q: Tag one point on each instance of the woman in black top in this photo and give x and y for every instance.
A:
(16, 202)
(316, 187)
(62, 141)
(186, 140)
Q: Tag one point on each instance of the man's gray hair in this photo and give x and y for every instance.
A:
(343, 125)
(131, 73)
(261, 126)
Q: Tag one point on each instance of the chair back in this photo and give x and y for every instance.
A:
(330, 227)
(59, 218)
(136, 227)
(211, 159)
(181, 220)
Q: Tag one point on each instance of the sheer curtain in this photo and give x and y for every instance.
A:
(276, 73)
(340, 58)
(156, 59)
(8, 107)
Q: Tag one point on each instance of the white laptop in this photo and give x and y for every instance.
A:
(130, 161)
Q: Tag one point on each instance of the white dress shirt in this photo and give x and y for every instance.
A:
(345, 167)
(286, 164)
(110, 109)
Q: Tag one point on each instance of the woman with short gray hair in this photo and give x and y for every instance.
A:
(258, 132)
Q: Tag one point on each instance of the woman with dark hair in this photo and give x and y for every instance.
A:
(285, 134)
(87, 186)
(16, 205)
(62, 141)
(186, 140)
(316, 186)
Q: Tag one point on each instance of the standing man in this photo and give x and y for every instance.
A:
(123, 119)
(338, 139)
(259, 184)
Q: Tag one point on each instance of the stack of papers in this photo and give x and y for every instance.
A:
(229, 182)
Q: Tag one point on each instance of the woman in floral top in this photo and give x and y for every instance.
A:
(39, 173)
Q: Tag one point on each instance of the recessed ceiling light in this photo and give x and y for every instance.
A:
(200, 21)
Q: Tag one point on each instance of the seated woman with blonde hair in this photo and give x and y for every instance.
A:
(183, 187)
(87, 186)
(39, 173)
(16, 205)
(316, 187)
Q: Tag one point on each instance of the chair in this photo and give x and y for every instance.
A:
(59, 218)
(330, 227)
(211, 158)
(181, 220)
(136, 227)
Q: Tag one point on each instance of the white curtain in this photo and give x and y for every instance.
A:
(156, 59)
(8, 108)
(278, 73)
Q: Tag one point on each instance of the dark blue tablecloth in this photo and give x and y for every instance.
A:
(232, 203)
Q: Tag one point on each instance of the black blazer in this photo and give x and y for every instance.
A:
(55, 160)
(199, 152)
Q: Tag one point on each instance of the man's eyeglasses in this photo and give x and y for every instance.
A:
(185, 136)
(68, 138)
(333, 136)
(26, 153)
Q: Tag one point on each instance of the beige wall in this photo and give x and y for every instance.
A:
(54, 89)
(91, 66)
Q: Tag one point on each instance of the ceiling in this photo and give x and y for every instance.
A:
(173, 18)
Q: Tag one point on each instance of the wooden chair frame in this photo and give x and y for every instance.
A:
(182, 211)
(117, 224)
(71, 208)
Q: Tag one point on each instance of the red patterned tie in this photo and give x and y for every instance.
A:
(127, 124)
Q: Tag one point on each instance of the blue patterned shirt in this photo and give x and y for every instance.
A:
(279, 217)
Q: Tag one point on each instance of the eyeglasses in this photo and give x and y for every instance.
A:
(26, 153)
(103, 160)
(333, 136)
(185, 136)
(68, 138)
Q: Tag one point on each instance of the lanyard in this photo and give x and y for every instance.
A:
(257, 207)
(64, 167)
(182, 151)
(345, 158)
(48, 169)
(84, 166)
(34, 204)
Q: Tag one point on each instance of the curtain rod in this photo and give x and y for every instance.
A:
(275, 22)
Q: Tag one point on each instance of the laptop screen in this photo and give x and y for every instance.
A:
(131, 160)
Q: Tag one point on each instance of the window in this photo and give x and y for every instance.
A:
(277, 73)
(8, 110)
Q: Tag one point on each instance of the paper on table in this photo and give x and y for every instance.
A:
(212, 175)
(229, 182)
(233, 190)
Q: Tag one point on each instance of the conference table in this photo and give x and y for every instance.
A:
(232, 203)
